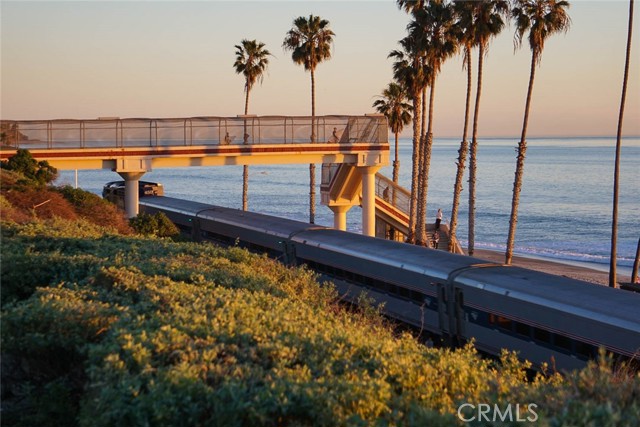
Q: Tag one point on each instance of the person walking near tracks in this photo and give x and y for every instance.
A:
(438, 219)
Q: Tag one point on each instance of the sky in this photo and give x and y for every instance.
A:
(89, 59)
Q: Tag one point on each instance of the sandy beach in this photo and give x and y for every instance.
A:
(551, 267)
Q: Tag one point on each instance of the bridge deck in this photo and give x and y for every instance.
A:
(272, 139)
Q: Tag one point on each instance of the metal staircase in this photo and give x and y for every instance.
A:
(341, 185)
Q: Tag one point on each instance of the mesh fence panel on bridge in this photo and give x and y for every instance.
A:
(143, 132)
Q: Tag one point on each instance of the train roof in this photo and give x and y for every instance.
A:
(250, 220)
(583, 299)
(435, 263)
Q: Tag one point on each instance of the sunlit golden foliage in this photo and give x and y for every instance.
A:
(100, 329)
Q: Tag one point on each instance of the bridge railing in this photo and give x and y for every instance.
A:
(393, 193)
(119, 133)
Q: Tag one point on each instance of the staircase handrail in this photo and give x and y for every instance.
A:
(396, 195)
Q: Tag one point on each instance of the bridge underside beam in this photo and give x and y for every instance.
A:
(171, 157)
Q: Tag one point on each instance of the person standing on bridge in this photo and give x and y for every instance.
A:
(334, 137)
(385, 194)
(438, 219)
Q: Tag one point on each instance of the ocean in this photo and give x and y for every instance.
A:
(565, 204)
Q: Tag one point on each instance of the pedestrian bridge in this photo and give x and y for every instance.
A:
(134, 146)
(142, 144)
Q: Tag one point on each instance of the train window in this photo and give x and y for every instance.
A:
(584, 349)
(404, 292)
(380, 285)
(541, 335)
(476, 316)
(500, 322)
(523, 329)
(562, 341)
(417, 296)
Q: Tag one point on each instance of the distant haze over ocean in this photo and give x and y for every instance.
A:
(565, 205)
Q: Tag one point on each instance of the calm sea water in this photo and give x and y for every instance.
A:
(565, 205)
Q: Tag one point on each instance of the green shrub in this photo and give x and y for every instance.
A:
(44, 344)
(153, 225)
(154, 332)
(24, 163)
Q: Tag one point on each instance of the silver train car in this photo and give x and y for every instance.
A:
(545, 318)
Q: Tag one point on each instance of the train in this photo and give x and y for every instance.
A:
(548, 320)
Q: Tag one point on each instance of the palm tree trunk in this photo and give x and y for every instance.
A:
(396, 162)
(312, 167)
(426, 160)
(415, 160)
(616, 174)
(522, 150)
(636, 264)
(473, 156)
(462, 156)
(420, 230)
(245, 168)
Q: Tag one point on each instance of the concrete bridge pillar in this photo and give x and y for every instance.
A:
(131, 192)
(369, 200)
(340, 216)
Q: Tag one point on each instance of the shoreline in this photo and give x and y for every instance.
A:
(557, 268)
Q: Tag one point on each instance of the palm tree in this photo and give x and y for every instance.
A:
(392, 104)
(409, 71)
(464, 10)
(488, 23)
(616, 174)
(434, 30)
(310, 43)
(541, 18)
(410, 6)
(251, 61)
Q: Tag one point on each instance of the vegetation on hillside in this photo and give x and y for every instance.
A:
(158, 225)
(102, 329)
(32, 171)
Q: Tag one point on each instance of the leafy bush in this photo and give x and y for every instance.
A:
(153, 225)
(123, 330)
(96, 209)
(24, 200)
(24, 163)
(44, 344)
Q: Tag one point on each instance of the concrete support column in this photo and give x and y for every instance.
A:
(131, 192)
(340, 216)
(368, 200)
